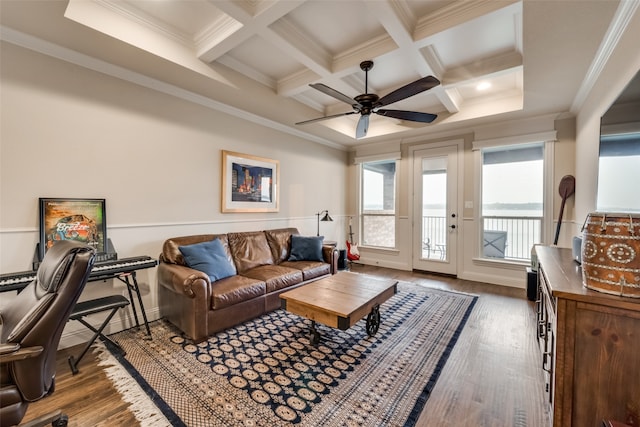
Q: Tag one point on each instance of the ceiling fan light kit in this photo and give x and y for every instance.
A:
(368, 103)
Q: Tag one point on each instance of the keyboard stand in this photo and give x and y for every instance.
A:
(132, 285)
(85, 308)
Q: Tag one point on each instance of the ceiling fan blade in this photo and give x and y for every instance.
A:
(406, 91)
(412, 116)
(363, 126)
(335, 94)
(326, 118)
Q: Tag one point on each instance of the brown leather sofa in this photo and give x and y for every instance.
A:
(199, 307)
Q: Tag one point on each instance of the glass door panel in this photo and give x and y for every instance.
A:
(435, 210)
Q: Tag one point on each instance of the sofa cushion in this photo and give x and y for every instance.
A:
(172, 255)
(249, 250)
(305, 248)
(310, 269)
(280, 243)
(235, 289)
(275, 276)
(208, 257)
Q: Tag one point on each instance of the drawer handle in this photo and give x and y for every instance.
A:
(544, 361)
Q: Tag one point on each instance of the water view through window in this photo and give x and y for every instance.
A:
(618, 173)
(511, 211)
(512, 201)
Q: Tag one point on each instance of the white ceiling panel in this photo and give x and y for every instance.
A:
(190, 17)
(493, 87)
(260, 55)
(422, 8)
(485, 36)
(337, 26)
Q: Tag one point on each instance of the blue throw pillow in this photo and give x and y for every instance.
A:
(208, 257)
(306, 248)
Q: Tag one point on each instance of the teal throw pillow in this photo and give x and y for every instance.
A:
(208, 257)
(306, 248)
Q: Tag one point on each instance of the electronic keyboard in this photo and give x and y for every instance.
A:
(100, 270)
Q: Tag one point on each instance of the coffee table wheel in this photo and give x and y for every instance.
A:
(373, 320)
(315, 335)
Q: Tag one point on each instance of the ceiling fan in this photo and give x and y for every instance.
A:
(368, 103)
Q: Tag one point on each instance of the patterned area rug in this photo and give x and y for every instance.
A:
(266, 372)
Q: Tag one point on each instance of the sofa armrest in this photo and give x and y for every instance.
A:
(330, 254)
(184, 280)
(184, 298)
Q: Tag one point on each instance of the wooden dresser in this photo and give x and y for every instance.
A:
(590, 343)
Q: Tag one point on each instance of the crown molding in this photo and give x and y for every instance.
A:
(616, 29)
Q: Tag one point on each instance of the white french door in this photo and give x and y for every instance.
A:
(435, 212)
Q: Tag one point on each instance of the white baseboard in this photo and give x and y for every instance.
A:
(384, 263)
(495, 280)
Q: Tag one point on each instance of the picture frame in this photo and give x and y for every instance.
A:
(249, 183)
(84, 220)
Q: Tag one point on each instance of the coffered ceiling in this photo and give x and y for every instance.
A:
(256, 58)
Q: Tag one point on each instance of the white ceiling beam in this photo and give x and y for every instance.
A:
(450, 98)
(431, 56)
(342, 66)
(248, 71)
(219, 38)
(348, 61)
(296, 83)
(296, 44)
(398, 20)
(227, 36)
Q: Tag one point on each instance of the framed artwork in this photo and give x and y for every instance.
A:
(83, 220)
(249, 183)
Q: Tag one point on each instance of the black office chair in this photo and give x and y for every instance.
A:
(30, 328)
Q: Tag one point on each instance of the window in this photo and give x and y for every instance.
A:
(378, 209)
(512, 200)
(619, 173)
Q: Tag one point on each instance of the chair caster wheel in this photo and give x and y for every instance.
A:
(61, 422)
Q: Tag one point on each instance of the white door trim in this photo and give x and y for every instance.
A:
(459, 146)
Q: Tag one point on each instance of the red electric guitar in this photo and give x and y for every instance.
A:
(352, 248)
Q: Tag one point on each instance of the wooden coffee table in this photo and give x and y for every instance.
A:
(340, 301)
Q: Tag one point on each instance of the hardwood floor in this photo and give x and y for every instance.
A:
(492, 378)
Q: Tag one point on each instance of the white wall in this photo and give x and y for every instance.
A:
(66, 131)
(622, 66)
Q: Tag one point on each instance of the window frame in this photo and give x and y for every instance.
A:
(361, 211)
(547, 138)
(610, 140)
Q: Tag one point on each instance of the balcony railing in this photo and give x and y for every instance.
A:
(522, 232)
